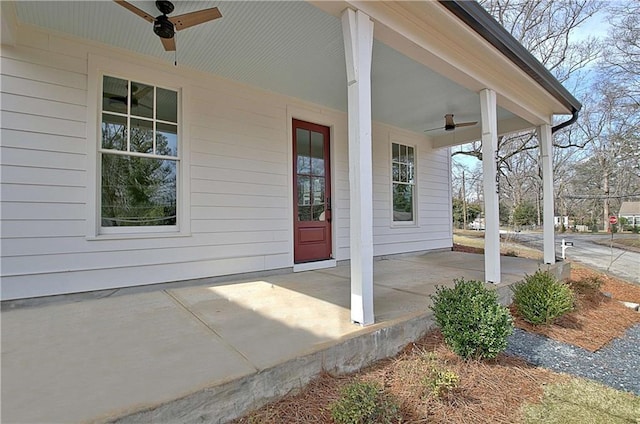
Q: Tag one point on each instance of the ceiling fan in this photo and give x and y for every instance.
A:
(449, 125)
(165, 26)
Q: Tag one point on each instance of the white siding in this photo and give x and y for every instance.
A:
(240, 180)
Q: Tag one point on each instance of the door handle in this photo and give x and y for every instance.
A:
(328, 214)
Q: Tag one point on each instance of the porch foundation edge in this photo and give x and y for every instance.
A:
(225, 402)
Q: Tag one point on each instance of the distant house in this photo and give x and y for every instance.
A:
(631, 212)
(558, 221)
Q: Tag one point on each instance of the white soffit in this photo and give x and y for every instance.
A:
(288, 47)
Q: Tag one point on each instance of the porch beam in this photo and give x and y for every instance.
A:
(357, 30)
(489, 112)
(545, 138)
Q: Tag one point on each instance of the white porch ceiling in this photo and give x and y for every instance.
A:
(288, 47)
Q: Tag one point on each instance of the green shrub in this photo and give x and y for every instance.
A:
(541, 298)
(365, 403)
(473, 323)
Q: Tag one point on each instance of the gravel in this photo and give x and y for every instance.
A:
(617, 365)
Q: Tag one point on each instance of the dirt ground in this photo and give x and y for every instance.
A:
(489, 391)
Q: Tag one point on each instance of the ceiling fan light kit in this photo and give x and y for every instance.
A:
(165, 26)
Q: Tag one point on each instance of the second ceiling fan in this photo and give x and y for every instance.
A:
(165, 26)
(450, 125)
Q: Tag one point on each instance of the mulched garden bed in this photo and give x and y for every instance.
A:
(489, 391)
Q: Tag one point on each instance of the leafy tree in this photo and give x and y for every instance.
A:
(473, 211)
(524, 214)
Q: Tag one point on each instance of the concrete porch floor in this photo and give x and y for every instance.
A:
(203, 351)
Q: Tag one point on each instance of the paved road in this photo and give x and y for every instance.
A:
(622, 263)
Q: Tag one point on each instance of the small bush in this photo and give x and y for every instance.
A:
(473, 323)
(541, 298)
(365, 403)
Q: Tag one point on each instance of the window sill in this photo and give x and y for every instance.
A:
(404, 224)
(136, 236)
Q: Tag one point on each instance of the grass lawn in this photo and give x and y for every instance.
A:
(630, 242)
(582, 401)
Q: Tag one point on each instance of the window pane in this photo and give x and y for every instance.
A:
(138, 191)
(395, 172)
(402, 202)
(410, 154)
(114, 94)
(303, 149)
(317, 153)
(404, 177)
(141, 137)
(403, 153)
(141, 100)
(166, 139)
(395, 152)
(167, 105)
(114, 132)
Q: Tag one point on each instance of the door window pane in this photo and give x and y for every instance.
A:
(304, 191)
(303, 151)
(317, 153)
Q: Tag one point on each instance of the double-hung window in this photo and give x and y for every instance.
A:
(403, 167)
(138, 157)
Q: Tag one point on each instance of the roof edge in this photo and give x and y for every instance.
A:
(478, 19)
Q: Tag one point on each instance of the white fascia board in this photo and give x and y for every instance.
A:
(431, 35)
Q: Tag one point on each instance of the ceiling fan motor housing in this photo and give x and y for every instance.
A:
(165, 7)
(163, 27)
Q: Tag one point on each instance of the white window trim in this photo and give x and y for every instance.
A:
(414, 222)
(117, 67)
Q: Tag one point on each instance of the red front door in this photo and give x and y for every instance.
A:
(311, 192)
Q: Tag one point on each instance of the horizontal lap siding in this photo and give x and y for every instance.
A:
(239, 185)
(240, 182)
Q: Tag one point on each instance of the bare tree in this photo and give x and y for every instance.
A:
(546, 29)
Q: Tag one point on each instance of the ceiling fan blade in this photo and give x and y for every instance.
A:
(433, 129)
(169, 44)
(194, 18)
(143, 92)
(466, 124)
(144, 15)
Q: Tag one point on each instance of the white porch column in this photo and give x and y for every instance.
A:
(546, 157)
(489, 113)
(9, 25)
(357, 30)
